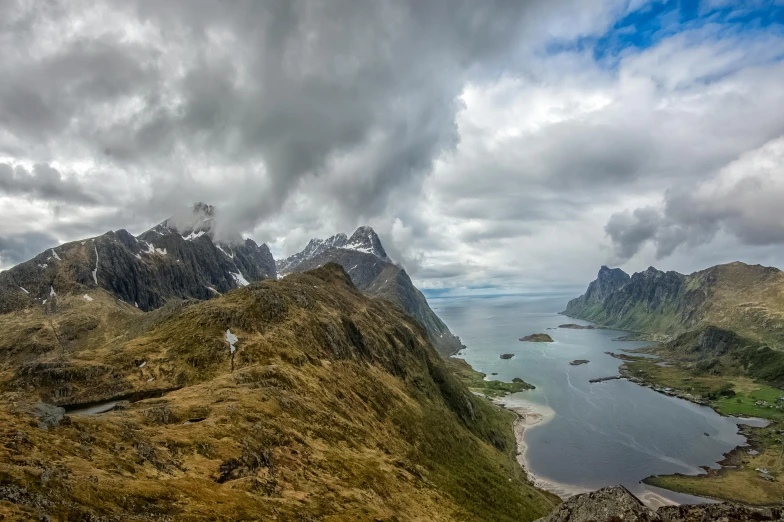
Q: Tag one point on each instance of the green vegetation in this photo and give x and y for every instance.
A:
(538, 338)
(736, 395)
(338, 408)
(475, 381)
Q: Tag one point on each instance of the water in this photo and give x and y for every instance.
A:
(614, 432)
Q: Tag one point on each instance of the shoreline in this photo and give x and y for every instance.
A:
(529, 415)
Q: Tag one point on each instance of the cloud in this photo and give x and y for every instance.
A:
(42, 182)
(743, 199)
(21, 247)
(487, 142)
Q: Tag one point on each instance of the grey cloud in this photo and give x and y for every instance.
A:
(743, 199)
(355, 98)
(42, 182)
(21, 247)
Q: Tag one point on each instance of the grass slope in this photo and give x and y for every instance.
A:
(337, 408)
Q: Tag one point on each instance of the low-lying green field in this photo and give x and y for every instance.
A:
(729, 395)
(475, 381)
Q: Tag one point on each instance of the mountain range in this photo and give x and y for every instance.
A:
(185, 257)
(178, 258)
(746, 299)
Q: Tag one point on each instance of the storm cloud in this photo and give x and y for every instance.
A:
(489, 143)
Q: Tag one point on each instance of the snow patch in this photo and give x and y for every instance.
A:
(44, 265)
(43, 302)
(87, 297)
(229, 255)
(161, 251)
(143, 364)
(213, 290)
(55, 255)
(239, 279)
(83, 242)
(136, 304)
(231, 339)
(95, 272)
(194, 235)
(51, 291)
(151, 379)
(23, 290)
(138, 256)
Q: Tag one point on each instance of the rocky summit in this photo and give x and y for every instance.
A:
(366, 262)
(179, 258)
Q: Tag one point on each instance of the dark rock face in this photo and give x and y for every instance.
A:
(616, 503)
(164, 262)
(651, 299)
(364, 259)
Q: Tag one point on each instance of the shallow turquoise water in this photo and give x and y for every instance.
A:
(614, 432)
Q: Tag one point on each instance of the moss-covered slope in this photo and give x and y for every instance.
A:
(334, 407)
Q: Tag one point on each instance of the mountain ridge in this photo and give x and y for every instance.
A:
(748, 299)
(363, 257)
(167, 261)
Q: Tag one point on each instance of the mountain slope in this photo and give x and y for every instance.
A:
(365, 260)
(747, 299)
(334, 406)
(171, 260)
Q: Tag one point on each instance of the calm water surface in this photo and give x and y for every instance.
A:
(614, 432)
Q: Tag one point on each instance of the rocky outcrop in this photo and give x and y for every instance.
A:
(616, 503)
(538, 338)
(364, 259)
(179, 258)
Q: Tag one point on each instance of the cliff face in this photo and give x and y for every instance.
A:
(365, 260)
(616, 504)
(744, 298)
(329, 405)
(163, 263)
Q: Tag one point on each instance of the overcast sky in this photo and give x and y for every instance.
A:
(495, 146)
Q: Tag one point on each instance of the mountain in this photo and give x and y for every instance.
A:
(747, 299)
(293, 399)
(365, 260)
(179, 258)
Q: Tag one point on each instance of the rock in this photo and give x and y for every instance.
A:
(615, 503)
(602, 379)
(538, 338)
(507, 355)
(718, 512)
(578, 362)
(572, 326)
(48, 415)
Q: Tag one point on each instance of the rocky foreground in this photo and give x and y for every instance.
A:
(617, 504)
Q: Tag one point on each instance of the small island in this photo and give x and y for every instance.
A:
(578, 362)
(572, 326)
(507, 355)
(538, 338)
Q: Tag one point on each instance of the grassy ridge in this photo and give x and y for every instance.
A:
(338, 408)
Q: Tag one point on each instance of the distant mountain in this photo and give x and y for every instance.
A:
(747, 299)
(365, 260)
(179, 258)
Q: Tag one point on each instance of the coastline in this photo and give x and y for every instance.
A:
(528, 415)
